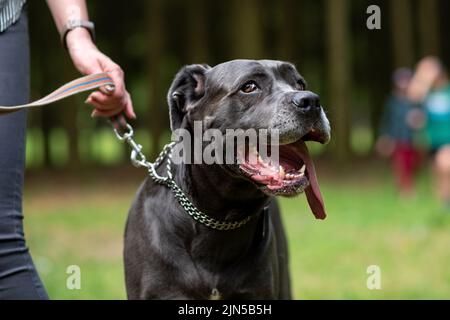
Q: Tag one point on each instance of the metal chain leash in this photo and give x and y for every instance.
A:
(138, 160)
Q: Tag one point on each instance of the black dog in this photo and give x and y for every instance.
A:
(168, 254)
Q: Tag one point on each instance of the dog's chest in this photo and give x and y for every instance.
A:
(240, 284)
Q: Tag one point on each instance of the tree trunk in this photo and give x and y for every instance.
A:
(429, 27)
(46, 125)
(380, 69)
(402, 33)
(155, 61)
(69, 113)
(287, 30)
(339, 75)
(246, 28)
(196, 39)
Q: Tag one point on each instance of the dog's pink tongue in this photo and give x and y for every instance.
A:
(313, 194)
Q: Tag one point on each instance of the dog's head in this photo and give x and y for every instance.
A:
(260, 95)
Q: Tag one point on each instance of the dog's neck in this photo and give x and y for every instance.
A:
(219, 195)
(217, 191)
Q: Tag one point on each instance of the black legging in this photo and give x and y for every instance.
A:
(18, 276)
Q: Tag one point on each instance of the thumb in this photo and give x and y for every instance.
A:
(94, 68)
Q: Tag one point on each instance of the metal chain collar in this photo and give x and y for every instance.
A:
(138, 160)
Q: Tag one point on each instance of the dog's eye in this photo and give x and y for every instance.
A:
(249, 87)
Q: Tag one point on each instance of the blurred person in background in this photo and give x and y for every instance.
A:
(397, 132)
(431, 87)
(18, 276)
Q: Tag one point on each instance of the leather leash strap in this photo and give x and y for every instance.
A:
(86, 83)
(79, 85)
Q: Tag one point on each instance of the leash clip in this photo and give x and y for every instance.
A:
(126, 135)
(137, 157)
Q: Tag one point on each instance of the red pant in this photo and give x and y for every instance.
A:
(405, 161)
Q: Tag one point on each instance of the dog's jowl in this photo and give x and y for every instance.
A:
(216, 227)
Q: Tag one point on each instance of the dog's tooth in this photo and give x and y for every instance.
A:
(302, 169)
(282, 173)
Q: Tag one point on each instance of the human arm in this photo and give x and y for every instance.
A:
(89, 60)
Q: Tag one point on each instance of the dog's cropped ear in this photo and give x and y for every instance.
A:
(187, 87)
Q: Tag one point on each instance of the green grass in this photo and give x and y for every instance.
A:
(80, 220)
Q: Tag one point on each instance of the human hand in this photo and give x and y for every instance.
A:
(427, 72)
(89, 60)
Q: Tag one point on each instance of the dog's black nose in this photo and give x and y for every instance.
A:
(306, 101)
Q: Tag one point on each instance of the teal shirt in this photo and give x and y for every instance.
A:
(437, 109)
(394, 122)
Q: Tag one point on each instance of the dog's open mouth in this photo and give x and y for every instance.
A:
(293, 174)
